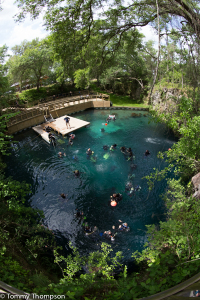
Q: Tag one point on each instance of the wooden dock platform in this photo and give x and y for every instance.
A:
(59, 126)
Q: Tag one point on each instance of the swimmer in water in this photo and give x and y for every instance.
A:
(129, 185)
(60, 154)
(113, 147)
(89, 151)
(63, 195)
(123, 149)
(72, 136)
(137, 188)
(130, 155)
(115, 198)
(129, 149)
(87, 228)
(77, 173)
(79, 214)
(75, 157)
(52, 138)
(146, 153)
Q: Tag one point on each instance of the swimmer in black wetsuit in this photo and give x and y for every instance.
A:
(123, 149)
(137, 188)
(87, 229)
(63, 195)
(52, 139)
(130, 155)
(77, 173)
(89, 151)
(113, 147)
(116, 197)
(146, 153)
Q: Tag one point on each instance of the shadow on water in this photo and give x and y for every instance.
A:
(38, 163)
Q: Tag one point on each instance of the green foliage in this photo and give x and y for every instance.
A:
(13, 273)
(82, 78)
(33, 94)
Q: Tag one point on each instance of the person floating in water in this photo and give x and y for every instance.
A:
(109, 235)
(87, 229)
(129, 186)
(129, 150)
(124, 227)
(63, 195)
(137, 188)
(79, 214)
(147, 153)
(108, 119)
(115, 198)
(123, 149)
(52, 139)
(70, 141)
(75, 157)
(113, 147)
(130, 155)
(72, 136)
(89, 151)
(77, 173)
(102, 129)
(60, 154)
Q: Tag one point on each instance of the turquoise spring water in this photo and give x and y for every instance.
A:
(36, 162)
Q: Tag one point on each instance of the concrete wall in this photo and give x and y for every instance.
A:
(22, 123)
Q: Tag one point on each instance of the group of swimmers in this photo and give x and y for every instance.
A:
(127, 152)
(71, 137)
(110, 117)
(109, 234)
(116, 197)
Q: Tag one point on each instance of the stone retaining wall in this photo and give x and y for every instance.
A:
(35, 117)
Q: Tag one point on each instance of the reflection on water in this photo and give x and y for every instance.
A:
(36, 162)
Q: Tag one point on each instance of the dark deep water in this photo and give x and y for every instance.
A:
(36, 162)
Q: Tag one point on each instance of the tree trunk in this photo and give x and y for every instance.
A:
(157, 65)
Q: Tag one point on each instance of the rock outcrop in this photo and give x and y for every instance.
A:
(165, 99)
(196, 185)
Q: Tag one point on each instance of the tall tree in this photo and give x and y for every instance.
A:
(4, 85)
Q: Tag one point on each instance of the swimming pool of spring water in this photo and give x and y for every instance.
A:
(37, 163)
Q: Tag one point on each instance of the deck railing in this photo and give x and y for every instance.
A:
(45, 107)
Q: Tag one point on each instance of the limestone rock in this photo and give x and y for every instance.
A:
(196, 185)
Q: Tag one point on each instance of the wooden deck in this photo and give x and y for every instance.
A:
(59, 126)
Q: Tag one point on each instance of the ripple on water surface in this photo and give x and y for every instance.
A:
(37, 163)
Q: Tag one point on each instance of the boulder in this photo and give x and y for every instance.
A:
(196, 185)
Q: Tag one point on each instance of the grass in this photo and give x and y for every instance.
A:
(120, 100)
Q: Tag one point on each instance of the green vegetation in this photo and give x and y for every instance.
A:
(108, 49)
